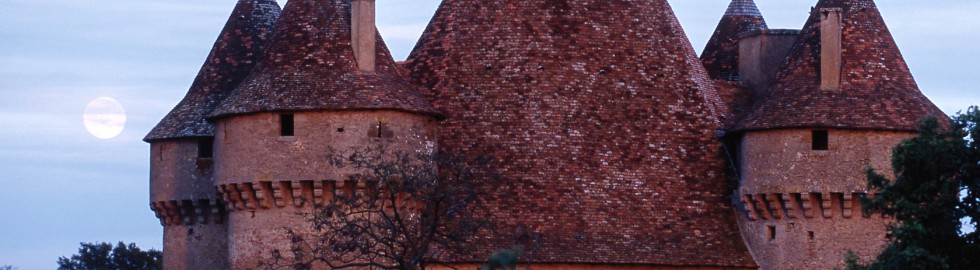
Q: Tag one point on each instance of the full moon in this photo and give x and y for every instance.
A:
(104, 118)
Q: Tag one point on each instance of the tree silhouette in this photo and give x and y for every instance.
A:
(102, 256)
(937, 185)
(404, 210)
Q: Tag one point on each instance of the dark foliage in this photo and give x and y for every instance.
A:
(507, 259)
(937, 186)
(401, 211)
(102, 256)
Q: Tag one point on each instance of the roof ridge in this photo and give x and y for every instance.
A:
(232, 57)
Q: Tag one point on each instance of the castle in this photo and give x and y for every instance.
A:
(622, 148)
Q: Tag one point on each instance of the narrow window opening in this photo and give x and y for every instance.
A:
(205, 148)
(287, 125)
(160, 153)
(380, 130)
(821, 140)
(772, 233)
(810, 235)
(341, 130)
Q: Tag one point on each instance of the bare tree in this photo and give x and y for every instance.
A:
(401, 211)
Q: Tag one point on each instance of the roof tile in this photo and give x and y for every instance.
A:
(232, 57)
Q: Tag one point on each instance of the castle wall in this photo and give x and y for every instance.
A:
(782, 160)
(800, 207)
(176, 172)
(183, 197)
(250, 148)
(268, 180)
(198, 246)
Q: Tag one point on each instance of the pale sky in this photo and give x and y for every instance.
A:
(60, 185)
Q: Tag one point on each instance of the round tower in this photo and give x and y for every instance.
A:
(603, 120)
(327, 82)
(843, 99)
(181, 168)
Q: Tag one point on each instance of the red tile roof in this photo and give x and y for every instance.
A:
(310, 67)
(877, 90)
(233, 56)
(720, 55)
(602, 118)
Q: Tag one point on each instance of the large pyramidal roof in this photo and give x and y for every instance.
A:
(310, 66)
(233, 56)
(720, 56)
(877, 90)
(603, 120)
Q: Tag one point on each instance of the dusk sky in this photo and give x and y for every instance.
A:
(60, 185)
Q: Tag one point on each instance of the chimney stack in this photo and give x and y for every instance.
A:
(363, 34)
(830, 48)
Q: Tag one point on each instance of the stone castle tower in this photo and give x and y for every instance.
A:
(842, 99)
(611, 131)
(182, 178)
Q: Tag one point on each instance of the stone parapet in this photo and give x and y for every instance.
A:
(189, 212)
(280, 194)
(810, 205)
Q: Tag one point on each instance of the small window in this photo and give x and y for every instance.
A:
(380, 130)
(772, 233)
(821, 140)
(810, 235)
(287, 125)
(205, 148)
(159, 153)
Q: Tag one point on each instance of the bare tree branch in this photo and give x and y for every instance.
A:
(400, 211)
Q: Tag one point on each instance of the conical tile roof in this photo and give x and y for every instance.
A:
(720, 55)
(233, 56)
(310, 66)
(599, 114)
(877, 90)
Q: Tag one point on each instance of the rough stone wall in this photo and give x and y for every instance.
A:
(176, 172)
(800, 207)
(183, 197)
(782, 160)
(267, 179)
(197, 246)
(253, 235)
(249, 148)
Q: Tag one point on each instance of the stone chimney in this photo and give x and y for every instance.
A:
(830, 48)
(363, 34)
